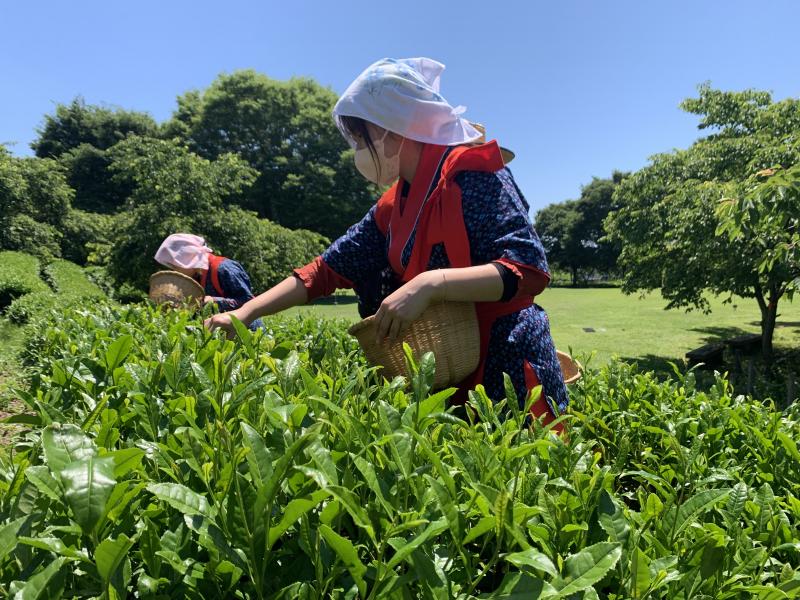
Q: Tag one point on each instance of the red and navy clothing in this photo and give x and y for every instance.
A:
(462, 209)
(226, 282)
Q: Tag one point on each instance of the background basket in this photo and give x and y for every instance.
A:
(570, 368)
(448, 329)
(171, 287)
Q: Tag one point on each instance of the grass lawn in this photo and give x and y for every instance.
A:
(609, 323)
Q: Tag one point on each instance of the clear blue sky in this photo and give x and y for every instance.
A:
(577, 88)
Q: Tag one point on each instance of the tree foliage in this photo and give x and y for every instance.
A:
(572, 231)
(78, 123)
(305, 172)
(79, 135)
(176, 190)
(668, 220)
(34, 202)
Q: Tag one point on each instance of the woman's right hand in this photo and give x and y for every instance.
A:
(222, 321)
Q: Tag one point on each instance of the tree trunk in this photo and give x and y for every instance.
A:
(574, 276)
(769, 314)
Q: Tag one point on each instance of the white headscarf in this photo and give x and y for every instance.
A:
(184, 250)
(402, 95)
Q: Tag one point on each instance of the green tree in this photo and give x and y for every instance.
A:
(173, 189)
(668, 220)
(284, 130)
(34, 202)
(767, 216)
(79, 123)
(557, 226)
(79, 136)
(594, 205)
(176, 190)
(572, 232)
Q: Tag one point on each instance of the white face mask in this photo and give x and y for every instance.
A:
(389, 167)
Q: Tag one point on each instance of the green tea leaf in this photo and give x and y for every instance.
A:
(47, 583)
(118, 351)
(181, 498)
(368, 473)
(56, 546)
(88, 483)
(353, 506)
(430, 531)
(534, 559)
(348, 554)
(790, 445)
(640, 573)
(126, 460)
(612, 519)
(40, 477)
(258, 456)
(8, 536)
(293, 511)
(64, 444)
(587, 567)
(322, 459)
(521, 586)
(676, 521)
(109, 555)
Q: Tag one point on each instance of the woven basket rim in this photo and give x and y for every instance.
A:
(356, 327)
(188, 287)
(443, 328)
(174, 274)
(577, 366)
(367, 321)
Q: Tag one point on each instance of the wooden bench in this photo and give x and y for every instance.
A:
(710, 355)
(746, 344)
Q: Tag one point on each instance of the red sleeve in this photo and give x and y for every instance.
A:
(532, 281)
(320, 280)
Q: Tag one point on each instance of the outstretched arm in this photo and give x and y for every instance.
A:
(288, 293)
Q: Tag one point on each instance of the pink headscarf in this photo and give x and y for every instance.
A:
(184, 250)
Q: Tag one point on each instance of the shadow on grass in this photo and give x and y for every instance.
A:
(719, 334)
(779, 324)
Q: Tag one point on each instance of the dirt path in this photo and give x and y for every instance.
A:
(9, 406)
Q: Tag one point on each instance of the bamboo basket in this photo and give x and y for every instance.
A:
(176, 289)
(449, 330)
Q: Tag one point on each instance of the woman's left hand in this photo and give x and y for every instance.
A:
(400, 308)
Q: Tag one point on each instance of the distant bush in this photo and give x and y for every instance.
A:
(176, 190)
(24, 234)
(267, 250)
(84, 234)
(26, 295)
(34, 200)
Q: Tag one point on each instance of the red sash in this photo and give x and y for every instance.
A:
(213, 269)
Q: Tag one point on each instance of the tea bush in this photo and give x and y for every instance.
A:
(19, 275)
(164, 461)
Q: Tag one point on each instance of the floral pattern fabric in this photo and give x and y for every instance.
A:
(498, 228)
